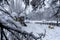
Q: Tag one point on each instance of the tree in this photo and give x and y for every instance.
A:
(36, 3)
(12, 23)
(26, 3)
(58, 11)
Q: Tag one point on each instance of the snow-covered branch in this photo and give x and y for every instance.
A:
(21, 31)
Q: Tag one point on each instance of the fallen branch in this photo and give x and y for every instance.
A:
(19, 31)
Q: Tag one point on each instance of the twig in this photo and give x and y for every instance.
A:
(5, 35)
(14, 34)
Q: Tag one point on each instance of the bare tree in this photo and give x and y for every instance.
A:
(56, 13)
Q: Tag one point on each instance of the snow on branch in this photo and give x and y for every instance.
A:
(21, 31)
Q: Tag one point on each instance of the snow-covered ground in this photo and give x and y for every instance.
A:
(51, 34)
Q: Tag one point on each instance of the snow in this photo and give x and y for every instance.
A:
(51, 34)
(29, 9)
(40, 21)
(34, 28)
(47, 4)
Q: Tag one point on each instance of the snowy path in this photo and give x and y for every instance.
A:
(51, 34)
